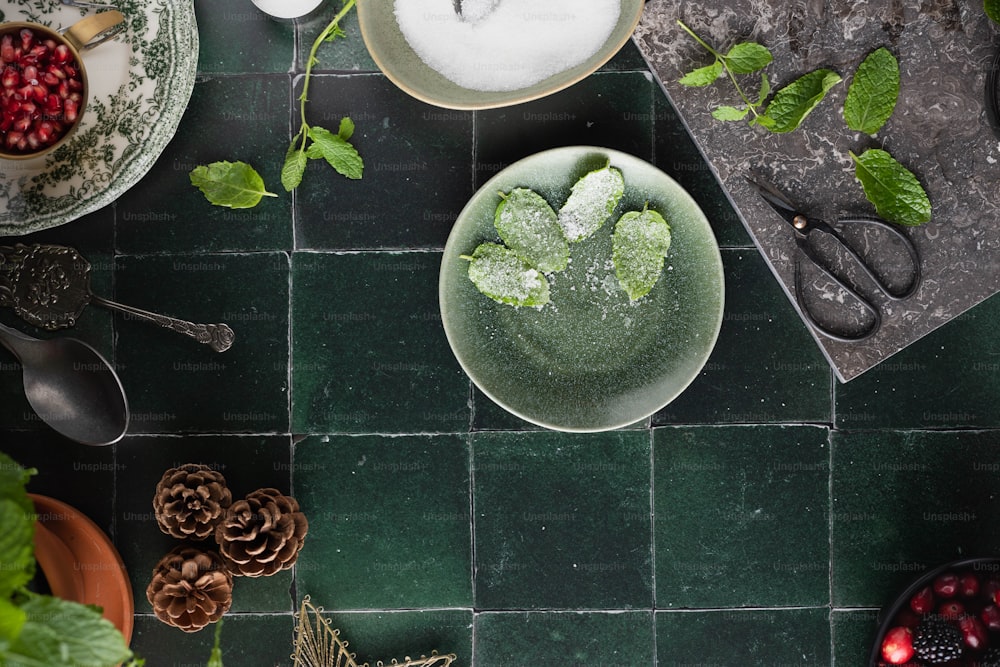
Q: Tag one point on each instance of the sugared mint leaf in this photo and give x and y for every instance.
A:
(639, 244)
(529, 227)
(792, 104)
(500, 274)
(872, 96)
(702, 76)
(232, 184)
(591, 201)
(893, 189)
(747, 57)
(341, 155)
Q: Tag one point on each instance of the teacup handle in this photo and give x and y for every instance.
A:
(95, 29)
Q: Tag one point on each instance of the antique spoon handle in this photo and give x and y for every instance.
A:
(219, 337)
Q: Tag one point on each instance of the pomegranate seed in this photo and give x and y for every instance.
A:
(41, 90)
(7, 48)
(10, 77)
(946, 585)
(61, 55)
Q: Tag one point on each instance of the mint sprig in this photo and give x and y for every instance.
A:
(316, 142)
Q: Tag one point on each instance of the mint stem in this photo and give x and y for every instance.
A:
(330, 29)
(721, 58)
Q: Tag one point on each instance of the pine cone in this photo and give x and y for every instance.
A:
(190, 501)
(190, 588)
(262, 534)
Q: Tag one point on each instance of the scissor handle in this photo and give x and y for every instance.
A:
(844, 337)
(907, 244)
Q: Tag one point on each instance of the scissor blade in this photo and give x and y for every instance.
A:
(778, 201)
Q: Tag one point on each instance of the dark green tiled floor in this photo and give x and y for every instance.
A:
(761, 518)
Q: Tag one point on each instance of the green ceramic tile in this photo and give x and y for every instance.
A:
(390, 525)
(765, 368)
(346, 54)
(854, 633)
(722, 494)
(247, 462)
(250, 640)
(555, 638)
(175, 383)
(67, 471)
(680, 158)
(231, 118)
(371, 356)
(416, 179)
(388, 636)
(628, 59)
(562, 520)
(770, 637)
(607, 109)
(949, 379)
(235, 38)
(907, 501)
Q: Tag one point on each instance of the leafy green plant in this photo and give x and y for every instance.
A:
(41, 630)
(789, 106)
(316, 142)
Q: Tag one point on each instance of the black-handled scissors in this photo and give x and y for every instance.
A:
(803, 227)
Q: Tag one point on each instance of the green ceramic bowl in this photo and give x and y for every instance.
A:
(589, 360)
(393, 55)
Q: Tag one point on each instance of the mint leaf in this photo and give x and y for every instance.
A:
(59, 632)
(232, 184)
(639, 244)
(591, 201)
(992, 8)
(346, 130)
(765, 89)
(702, 76)
(893, 189)
(792, 104)
(747, 57)
(872, 96)
(500, 274)
(529, 227)
(727, 113)
(294, 167)
(341, 155)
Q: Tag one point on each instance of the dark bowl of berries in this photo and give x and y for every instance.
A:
(43, 83)
(949, 616)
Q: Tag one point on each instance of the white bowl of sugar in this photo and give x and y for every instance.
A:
(481, 54)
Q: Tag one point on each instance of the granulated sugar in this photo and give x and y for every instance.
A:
(513, 45)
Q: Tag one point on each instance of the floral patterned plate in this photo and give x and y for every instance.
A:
(140, 85)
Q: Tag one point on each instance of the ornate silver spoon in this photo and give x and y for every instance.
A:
(48, 286)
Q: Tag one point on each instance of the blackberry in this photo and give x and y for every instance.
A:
(936, 642)
(991, 658)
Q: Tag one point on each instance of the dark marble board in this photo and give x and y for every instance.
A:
(940, 131)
